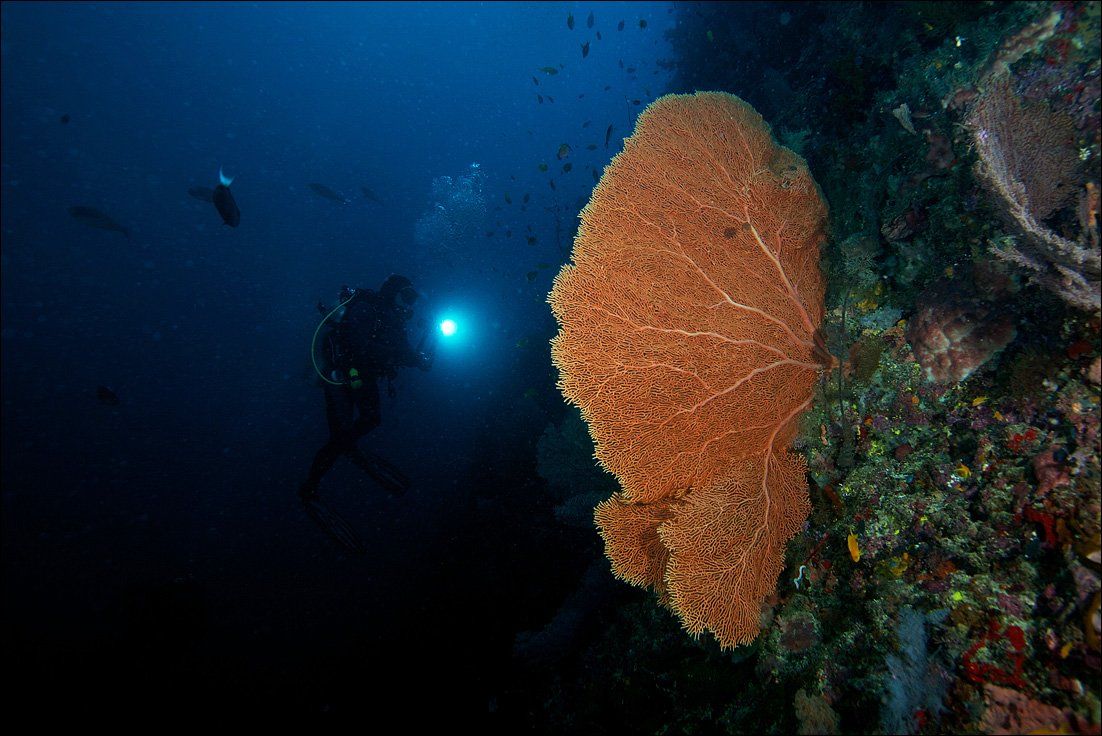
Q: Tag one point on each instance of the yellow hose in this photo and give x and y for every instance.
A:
(314, 340)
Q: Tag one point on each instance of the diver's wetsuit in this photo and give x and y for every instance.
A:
(370, 339)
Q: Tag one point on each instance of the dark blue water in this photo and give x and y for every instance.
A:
(155, 551)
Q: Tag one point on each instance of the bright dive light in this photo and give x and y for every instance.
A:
(448, 327)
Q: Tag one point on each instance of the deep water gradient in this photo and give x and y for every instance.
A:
(156, 559)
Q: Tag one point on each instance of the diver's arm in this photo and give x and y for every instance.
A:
(416, 358)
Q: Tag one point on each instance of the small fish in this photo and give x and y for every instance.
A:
(621, 63)
(630, 70)
(579, 203)
(570, 21)
(585, 49)
(589, 21)
(591, 147)
(531, 276)
(368, 194)
(564, 151)
(620, 26)
(586, 123)
(489, 233)
(540, 98)
(92, 217)
(596, 176)
(598, 35)
(711, 37)
(567, 167)
(224, 201)
(854, 549)
(203, 194)
(527, 197)
(508, 233)
(65, 119)
(543, 167)
(550, 98)
(608, 134)
(107, 397)
(642, 24)
(323, 191)
(508, 199)
(551, 183)
(531, 240)
(608, 87)
(636, 102)
(535, 81)
(549, 70)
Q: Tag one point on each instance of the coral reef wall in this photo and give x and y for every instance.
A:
(947, 579)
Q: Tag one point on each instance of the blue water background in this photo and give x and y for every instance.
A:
(203, 330)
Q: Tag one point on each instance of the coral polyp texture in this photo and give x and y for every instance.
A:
(952, 338)
(689, 339)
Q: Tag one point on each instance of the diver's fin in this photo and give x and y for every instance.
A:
(223, 179)
(381, 471)
(337, 528)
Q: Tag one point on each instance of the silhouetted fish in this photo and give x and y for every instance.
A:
(598, 35)
(107, 396)
(531, 276)
(570, 21)
(549, 70)
(585, 49)
(596, 176)
(526, 198)
(540, 98)
(92, 217)
(564, 151)
(608, 134)
(368, 194)
(224, 201)
(508, 199)
(567, 167)
(531, 240)
(204, 194)
(551, 183)
(542, 167)
(323, 191)
(586, 123)
(591, 147)
(620, 26)
(535, 81)
(65, 119)
(589, 21)
(642, 23)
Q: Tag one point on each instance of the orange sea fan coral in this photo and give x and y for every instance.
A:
(689, 339)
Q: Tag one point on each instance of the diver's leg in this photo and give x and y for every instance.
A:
(338, 414)
(367, 402)
(386, 475)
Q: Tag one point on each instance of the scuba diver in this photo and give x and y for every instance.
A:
(366, 340)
